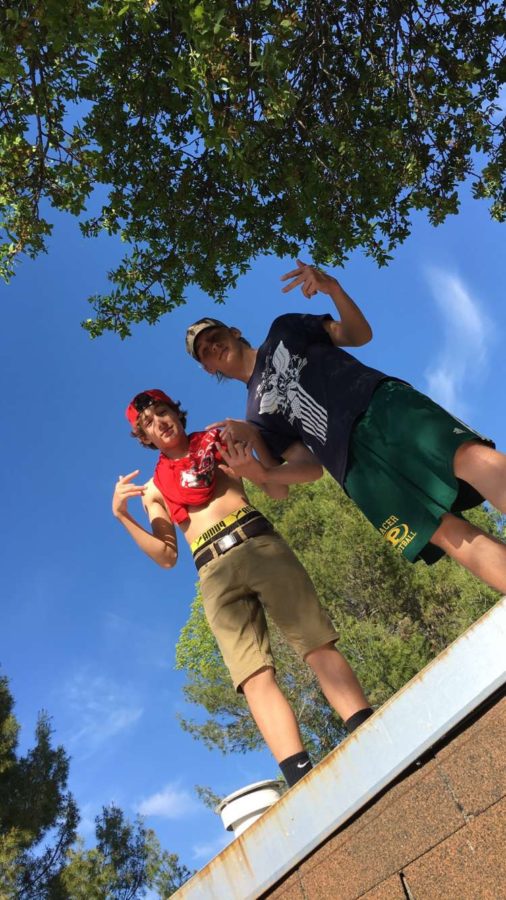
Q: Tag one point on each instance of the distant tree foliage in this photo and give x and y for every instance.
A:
(41, 857)
(393, 618)
(38, 816)
(126, 862)
(219, 130)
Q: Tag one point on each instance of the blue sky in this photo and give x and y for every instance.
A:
(89, 624)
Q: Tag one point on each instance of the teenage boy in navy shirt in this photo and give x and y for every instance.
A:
(409, 465)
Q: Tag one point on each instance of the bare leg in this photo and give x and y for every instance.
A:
(337, 680)
(273, 714)
(485, 469)
(477, 551)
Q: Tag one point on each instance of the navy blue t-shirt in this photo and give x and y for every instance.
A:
(304, 389)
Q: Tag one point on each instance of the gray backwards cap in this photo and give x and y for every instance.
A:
(196, 329)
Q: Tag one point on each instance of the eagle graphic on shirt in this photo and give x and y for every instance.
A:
(280, 391)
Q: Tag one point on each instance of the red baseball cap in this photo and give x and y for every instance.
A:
(142, 401)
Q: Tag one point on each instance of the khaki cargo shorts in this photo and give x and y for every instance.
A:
(261, 574)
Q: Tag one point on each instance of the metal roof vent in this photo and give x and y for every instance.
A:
(239, 810)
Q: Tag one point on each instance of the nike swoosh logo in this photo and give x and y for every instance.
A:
(302, 765)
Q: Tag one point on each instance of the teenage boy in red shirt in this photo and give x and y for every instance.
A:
(245, 567)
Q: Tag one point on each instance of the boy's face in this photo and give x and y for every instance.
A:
(161, 426)
(218, 349)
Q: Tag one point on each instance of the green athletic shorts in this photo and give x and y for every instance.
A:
(400, 468)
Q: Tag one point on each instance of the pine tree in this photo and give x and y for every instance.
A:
(40, 856)
(38, 816)
(126, 861)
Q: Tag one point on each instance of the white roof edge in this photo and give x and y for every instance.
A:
(454, 684)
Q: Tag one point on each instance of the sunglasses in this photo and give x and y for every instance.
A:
(142, 401)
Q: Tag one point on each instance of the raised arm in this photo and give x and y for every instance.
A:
(161, 544)
(235, 432)
(352, 329)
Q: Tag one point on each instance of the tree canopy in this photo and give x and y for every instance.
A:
(392, 617)
(217, 130)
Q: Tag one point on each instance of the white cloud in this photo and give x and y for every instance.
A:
(87, 821)
(207, 850)
(462, 360)
(169, 803)
(101, 710)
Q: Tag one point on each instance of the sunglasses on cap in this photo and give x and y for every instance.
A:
(142, 401)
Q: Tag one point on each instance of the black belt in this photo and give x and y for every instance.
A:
(231, 537)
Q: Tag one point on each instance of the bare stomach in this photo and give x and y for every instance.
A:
(228, 498)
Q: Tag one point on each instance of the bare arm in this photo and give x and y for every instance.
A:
(352, 329)
(237, 431)
(301, 466)
(161, 544)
